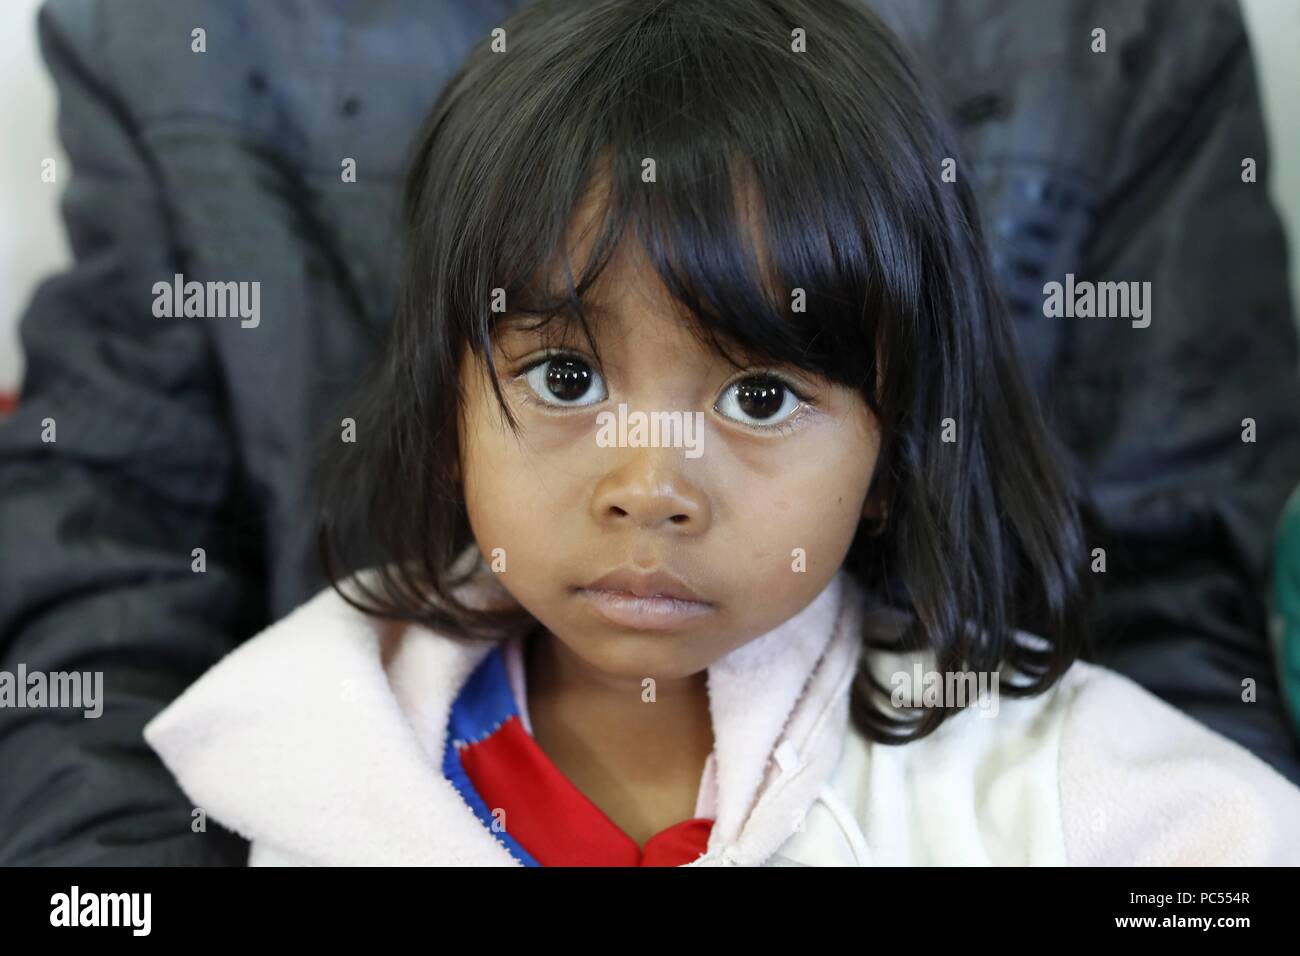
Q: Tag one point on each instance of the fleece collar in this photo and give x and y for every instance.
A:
(323, 735)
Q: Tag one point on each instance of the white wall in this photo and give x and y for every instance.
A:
(1274, 28)
(32, 243)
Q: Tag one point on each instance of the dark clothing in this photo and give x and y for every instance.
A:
(177, 434)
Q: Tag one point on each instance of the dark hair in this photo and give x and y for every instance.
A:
(839, 153)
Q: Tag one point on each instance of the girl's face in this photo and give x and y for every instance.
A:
(754, 511)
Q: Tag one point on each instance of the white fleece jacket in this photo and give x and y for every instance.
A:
(320, 740)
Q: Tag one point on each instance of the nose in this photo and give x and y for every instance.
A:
(649, 489)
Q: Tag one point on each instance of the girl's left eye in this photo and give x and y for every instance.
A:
(759, 401)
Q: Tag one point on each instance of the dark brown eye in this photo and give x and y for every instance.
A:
(758, 401)
(566, 380)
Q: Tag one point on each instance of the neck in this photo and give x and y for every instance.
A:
(630, 757)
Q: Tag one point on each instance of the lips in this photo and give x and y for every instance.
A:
(642, 584)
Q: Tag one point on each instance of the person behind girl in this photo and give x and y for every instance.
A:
(696, 511)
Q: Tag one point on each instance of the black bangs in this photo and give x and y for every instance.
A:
(777, 193)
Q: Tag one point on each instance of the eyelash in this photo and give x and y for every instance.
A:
(782, 428)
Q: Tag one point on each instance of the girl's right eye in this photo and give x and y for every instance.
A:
(566, 381)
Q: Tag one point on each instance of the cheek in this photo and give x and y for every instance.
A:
(489, 473)
(500, 487)
(812, 518)
(808, 510)
(516, 490)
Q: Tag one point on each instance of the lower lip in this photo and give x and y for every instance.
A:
(644, 613)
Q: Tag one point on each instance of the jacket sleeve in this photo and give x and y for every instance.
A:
(1142, 784)
(1190, 427)
(117, 464)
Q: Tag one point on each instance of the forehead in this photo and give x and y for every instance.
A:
(606, 271)
(627, 297)
(626, 331)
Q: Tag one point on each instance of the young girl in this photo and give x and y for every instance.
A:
(697, 511)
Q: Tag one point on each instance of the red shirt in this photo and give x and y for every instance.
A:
(544, 811)
(555, 821)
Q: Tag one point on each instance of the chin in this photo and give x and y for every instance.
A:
(639, 654)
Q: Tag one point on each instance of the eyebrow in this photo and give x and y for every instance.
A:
(564, 318)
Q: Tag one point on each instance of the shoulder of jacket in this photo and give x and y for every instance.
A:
(1143, 783)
